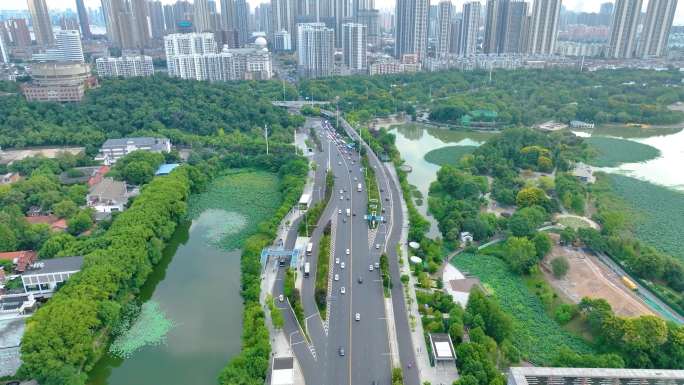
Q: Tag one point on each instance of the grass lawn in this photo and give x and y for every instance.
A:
(448, 155)
(538, 336)
(613, 152)
(575, 223)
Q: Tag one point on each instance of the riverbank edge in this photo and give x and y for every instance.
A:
(151, 220)
(253, 359)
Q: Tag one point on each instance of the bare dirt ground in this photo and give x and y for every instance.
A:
(588, 277)
(9, 156)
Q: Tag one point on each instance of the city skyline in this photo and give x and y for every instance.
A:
(573, 5)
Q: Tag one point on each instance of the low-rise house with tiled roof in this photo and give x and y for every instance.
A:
(20, 259)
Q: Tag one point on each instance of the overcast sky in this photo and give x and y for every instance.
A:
(579, 5)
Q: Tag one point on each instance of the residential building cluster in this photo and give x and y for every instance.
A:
(332, 37)
(196, 56)
(126, 66)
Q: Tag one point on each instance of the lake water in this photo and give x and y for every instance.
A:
(414, 141)
(664, 170)
(197, 285)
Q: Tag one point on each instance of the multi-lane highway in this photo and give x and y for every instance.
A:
(367, 355)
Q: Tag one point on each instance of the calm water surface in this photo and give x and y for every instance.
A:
(198, 287)
(667, 170)
(414, 141)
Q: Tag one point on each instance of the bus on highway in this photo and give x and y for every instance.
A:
(307, 268)
(309, 248)
(629, 283)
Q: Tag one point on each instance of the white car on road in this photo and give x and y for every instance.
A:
(347, 251)
(343, 290)
(342, 265)
(339, 211)
(370, 267)
(357, 317)
(337, 277)
(337, 260)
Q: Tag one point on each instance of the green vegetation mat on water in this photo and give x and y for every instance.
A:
(149, 329)
(448, 155)
(612, 151)
(538, 337)
(659, 221)
(253, 195)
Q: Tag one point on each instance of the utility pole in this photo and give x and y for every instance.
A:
(337, 103)
(266, 136)
(283, 80)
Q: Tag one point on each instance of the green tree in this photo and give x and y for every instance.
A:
(65, 209)
(525, 222)
(568, 236)
(564, 313)
(560, 267)
(55, 244)
(7, 266)
(80, 222)
(542, 243)
(8, 239)
(530, 196)
(520, 254)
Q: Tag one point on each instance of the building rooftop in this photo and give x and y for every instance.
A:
(87, 173)
(442, 348)
(165, 169)
(139, 141)
(283, 371)
(55, 265)
(22, 259)
(283, 363)
(520, 374)
(108, 190)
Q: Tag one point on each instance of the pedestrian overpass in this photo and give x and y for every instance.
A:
(279, 252)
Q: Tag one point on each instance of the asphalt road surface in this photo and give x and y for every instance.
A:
(367, 357)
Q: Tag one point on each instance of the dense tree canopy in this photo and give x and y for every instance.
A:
(520, 97)
(143, 106)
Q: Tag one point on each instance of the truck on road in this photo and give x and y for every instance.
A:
(307, 269)
(359, 187)
(348, 212)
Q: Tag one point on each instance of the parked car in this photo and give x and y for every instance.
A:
(337, 277)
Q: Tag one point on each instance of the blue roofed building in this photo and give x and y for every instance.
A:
(165, 169)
